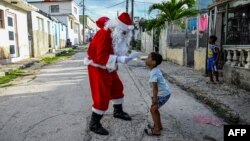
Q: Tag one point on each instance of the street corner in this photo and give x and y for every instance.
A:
(119, 129)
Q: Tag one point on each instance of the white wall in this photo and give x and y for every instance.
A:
(3, 32)
(66, 7)
(22, 31)
(36, 15)
(63, 19)
(91, 24)
(147, 42)
(63, 32)
(73, 11)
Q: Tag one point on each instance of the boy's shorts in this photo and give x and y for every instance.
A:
(211, 66)
(162, 100)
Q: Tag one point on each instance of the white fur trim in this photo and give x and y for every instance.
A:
(111, 64)
(131, 27)
(117, 101)
(100, 112)
(86, 61)
(121, 25)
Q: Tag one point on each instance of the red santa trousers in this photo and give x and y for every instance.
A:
(104, 86)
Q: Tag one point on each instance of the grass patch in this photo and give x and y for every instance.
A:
(65, 54)
(11, 75)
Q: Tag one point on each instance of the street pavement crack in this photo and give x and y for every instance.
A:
(36, 124)
(13, 116)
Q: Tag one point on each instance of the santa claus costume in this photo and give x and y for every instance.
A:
(108, 47)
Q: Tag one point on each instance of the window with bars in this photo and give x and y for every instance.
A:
(54, 8)
(1, 19)
(238, 26)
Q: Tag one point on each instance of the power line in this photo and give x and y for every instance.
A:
(115, 4)
(144, 2)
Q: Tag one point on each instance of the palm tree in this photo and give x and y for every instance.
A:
(170, 11)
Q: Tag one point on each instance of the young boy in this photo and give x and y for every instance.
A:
(213, 59)
(160, 90)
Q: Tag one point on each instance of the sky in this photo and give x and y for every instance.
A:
(98, 8)
(109, 8)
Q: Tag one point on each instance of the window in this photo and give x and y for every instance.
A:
(238, 26)
(10, 21)
(75, 10)
(12, 49)
(11, 35)
(1, 19)
(40, 24)
(71, 24)
(54, 8)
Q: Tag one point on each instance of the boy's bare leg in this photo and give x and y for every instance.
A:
(155, 116)
(160, 119)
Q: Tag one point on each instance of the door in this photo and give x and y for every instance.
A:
(12, 32)
(49, 39)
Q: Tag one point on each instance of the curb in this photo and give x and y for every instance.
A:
(31, 62)
(221, 109)
(28, 64)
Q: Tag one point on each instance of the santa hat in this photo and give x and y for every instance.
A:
(101, 21)
(124, 22)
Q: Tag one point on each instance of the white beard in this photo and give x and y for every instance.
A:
(120, 42)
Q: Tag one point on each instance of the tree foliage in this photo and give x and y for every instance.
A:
(170, 11)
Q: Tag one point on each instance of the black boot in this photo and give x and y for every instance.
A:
(96, 126)
(118, 113)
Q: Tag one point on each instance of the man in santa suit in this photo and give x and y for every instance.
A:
(108, 47)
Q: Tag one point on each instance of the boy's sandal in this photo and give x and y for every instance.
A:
(219, 82)
(211, 82)
(149, 132)
(152, 127)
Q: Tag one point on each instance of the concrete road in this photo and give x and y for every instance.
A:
(56, 106)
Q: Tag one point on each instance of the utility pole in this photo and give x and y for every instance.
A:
(197, 29)
(83, 21)
(133, 31)
(127, 6)
(132, 10)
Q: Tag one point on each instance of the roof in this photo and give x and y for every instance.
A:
(218, 2)
(22, 4)
(39, 1)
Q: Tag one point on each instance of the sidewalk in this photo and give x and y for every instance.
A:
(229, 102)
(26, 62)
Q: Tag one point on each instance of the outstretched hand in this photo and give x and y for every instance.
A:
(134, 54)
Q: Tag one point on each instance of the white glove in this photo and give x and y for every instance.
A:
(123, 59)
(134, 54)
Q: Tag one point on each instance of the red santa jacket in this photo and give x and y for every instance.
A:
(101, 47)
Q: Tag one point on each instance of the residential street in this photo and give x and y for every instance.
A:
(55, 105)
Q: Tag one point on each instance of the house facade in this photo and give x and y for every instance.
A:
(230, 22)
(66, 11)
(90, 27)
(46, 33)
(14, 41)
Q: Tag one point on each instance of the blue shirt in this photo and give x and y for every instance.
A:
(156, 76)
(211, 54)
